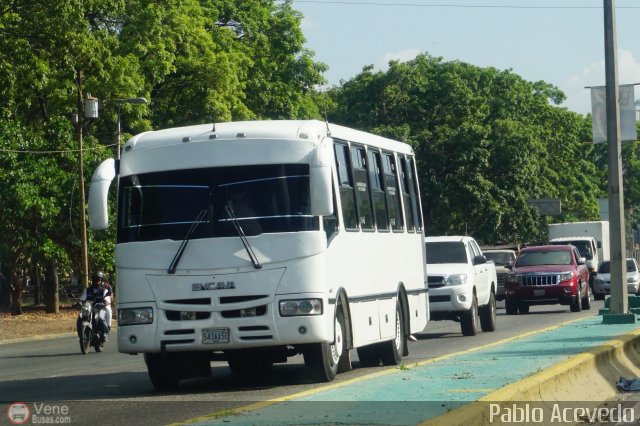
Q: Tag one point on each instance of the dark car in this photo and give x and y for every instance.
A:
(501, 258)
(547, 275)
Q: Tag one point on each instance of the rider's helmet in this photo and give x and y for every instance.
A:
(97, 278)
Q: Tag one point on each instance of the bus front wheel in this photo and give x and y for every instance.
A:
(162, 372)
(323, 359)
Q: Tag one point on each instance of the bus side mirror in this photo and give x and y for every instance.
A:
(99, 192)
(321, 191)
(320, 179)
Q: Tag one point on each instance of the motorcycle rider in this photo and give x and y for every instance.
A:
(99, 289)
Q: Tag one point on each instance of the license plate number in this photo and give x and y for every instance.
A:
(215, 335)
(538, 292)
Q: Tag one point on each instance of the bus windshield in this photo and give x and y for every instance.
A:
(264, 198)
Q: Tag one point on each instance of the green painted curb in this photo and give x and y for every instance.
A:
(618, 318)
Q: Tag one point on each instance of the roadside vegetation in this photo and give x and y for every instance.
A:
(487, 141)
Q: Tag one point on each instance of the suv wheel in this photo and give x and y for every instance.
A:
(469, 319)
(488, 314)
(575, 303)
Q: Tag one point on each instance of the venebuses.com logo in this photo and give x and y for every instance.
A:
(18, 413)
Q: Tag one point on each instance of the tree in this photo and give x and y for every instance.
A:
(36, 197)
(279, 72)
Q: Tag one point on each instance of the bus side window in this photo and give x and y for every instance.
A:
(376, 179)
(412, 185)
(414, 173)
(347, 193)
(406, 195)
(363, 197)
(391, 190)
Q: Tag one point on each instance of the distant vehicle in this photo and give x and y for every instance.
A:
(462, 283)
(501, 258)
(602, 284)
(547, 275)
(253, 242)
(591, 239)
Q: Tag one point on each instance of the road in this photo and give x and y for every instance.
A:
(55, 372)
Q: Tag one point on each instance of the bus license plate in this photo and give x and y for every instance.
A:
(538, 292)
(215, 335)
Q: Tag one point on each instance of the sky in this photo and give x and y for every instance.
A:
(558, 41)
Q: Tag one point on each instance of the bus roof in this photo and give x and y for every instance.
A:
(308, 130)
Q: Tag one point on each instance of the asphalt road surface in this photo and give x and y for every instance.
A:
(115, 386)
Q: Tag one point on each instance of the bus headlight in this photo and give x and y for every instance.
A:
(289, 308)
(135, 316)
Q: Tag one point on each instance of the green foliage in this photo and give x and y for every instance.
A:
(36, 191)
(486, 142)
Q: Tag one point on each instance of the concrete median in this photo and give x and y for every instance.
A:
(586, 377)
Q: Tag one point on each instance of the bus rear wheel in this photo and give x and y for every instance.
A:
(391, 351)
(323, 359)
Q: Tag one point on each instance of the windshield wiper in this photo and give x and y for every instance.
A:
(185, 241)
(243, 236)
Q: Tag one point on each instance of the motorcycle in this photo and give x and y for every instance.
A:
(92, 326)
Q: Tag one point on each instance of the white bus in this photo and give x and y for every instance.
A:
(252, 242)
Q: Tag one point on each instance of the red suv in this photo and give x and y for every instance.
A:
(547, 275)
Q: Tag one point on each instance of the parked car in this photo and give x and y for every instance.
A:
(546, 275)
(602, 283)
(462, 283)
(501, 258)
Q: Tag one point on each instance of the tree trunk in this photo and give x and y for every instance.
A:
(5, 298)
(35, 281)
(52, 300)
(17, 285)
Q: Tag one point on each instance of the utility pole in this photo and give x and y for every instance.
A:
(84, 268)
(619, 305)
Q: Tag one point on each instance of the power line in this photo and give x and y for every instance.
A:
(455, 5)
(19, 151)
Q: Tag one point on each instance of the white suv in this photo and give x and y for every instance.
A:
(462, 283)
